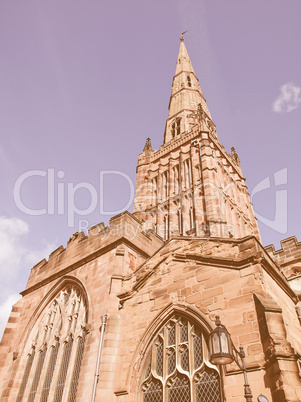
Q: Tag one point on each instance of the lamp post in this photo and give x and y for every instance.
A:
(222, 351)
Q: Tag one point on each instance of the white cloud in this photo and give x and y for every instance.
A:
(16, 259)
(14, 253)
(11, 232)
(289, 98)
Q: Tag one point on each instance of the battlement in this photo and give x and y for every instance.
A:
(124, 230)
(165, 149)
(288, 257)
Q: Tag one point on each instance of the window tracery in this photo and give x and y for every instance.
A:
(56, 346)
(178, 367)
(176, 127)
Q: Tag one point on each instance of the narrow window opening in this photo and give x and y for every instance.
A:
(173, 130)
(178, 126)
(50, 371)
(78, 361)
(181, 371)
(63, 371)
(29, 362)
(37, 375)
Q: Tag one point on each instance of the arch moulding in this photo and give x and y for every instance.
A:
(137, 364)
(67, 280)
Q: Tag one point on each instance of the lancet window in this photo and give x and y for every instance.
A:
(178, 368)
(176, 127)
(54, 352)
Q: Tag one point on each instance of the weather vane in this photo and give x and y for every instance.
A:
(181, 37)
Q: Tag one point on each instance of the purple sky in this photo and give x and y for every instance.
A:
(83, 84)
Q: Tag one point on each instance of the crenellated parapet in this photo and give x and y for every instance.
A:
(288, 258)
(125, 232)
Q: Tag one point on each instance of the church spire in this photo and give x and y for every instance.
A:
(183, 62)
(191, 186)
(186, 95)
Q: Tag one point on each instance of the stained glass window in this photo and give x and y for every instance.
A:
(159, 356)
(153, 391)
(207, 386)
(179, 389)
(29, 362)
(180, 372)
(63, 371)
(37, 375)
(50, 371)
(52, 355)
(76, 370)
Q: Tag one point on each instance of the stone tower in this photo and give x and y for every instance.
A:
(192, 186)
(124, 313)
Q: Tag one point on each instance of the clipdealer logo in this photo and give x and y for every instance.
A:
(280, 221)
(61, 196)
(64, 200)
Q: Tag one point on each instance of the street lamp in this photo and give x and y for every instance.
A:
(222, 351)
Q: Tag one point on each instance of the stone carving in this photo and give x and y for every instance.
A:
(202, 118)
(235, 157)
(206, 124)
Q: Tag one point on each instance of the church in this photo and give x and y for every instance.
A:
(137, 311)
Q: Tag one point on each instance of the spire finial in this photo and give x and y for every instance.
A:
(181, 37)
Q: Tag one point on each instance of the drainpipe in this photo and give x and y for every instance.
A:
(102, 331)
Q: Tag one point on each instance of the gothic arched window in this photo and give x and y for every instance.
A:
(54, 350)
(178, 368)
(176, 127)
